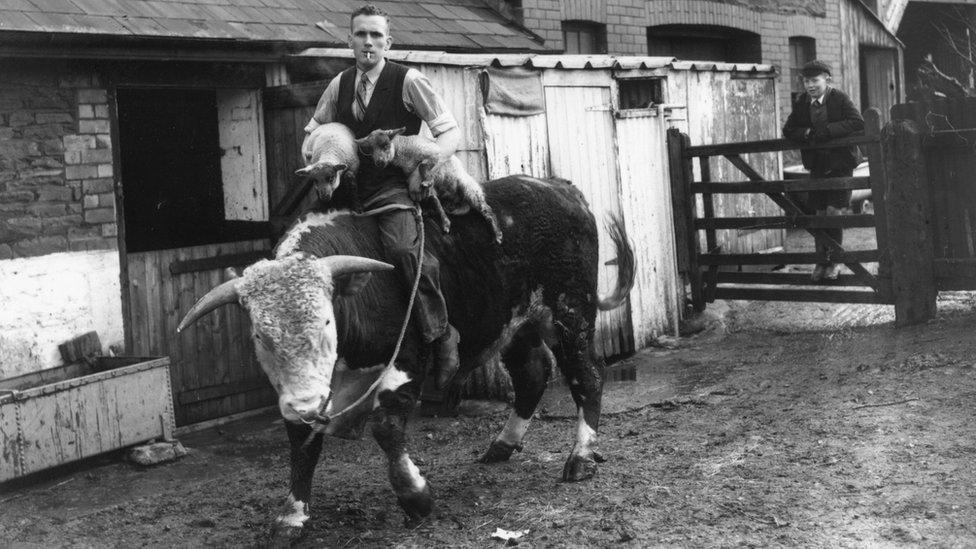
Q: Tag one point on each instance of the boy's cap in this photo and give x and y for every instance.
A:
(815, 68)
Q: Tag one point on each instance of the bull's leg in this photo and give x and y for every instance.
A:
(397, 395)
(294, 512)
(585, 377)
(529, 362)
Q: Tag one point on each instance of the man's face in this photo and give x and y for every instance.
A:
(816, 86)
(369, 39)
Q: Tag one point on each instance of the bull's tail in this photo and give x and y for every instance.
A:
(624, 262)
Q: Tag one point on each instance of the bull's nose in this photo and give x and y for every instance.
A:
(306, 408)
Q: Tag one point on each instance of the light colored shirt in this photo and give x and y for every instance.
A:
(418, 96)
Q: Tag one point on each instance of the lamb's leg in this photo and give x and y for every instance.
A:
(445, 221)
(474, 195)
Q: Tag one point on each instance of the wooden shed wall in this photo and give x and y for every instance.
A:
(857, 28)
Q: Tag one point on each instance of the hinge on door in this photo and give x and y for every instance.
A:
(600, 108)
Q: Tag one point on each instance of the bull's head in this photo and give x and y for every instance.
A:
(379, 145)
(326, 177)
(289, 301)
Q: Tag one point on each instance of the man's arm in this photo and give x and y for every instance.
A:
(327, 108)
(851, 121)
(421, 99)
(792, 130)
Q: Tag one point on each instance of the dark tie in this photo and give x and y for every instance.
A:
(818, 114)
(361, 98)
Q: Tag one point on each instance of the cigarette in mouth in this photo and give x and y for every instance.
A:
(369, 55)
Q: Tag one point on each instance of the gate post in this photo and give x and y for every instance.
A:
(683, 201)
(910, 249)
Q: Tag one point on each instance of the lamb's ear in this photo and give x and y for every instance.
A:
(424, 167)
(396, 132)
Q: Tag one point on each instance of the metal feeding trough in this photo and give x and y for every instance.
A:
(63, 414)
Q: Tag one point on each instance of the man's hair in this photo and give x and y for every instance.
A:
(369, 9)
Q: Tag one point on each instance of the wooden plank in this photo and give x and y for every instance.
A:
(222, 390)
(681, 179)
(910, 239)
(792, 279)
(859, 256)
(219, 262)
(169, 295)
(787, 222)
(876, 163)
(137, 295)
(787, 185)
(772, 145)
(780, 294)
(304, 94)
(708, 211)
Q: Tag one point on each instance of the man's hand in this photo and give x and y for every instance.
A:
(418, 191)
(819, 135)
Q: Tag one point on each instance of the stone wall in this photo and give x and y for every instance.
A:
(56, 184)
(59, 268)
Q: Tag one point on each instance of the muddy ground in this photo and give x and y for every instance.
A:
(804, 429)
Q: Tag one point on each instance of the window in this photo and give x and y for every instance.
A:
(187, 167)
(640, 93)
(584, 37)
(803, 49)
(705, 43)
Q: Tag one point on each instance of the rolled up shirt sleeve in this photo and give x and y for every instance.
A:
(421, 99)
(327, 108)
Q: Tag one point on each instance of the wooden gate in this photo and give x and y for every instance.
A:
(716, 275)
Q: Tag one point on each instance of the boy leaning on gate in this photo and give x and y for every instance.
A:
(820, 114)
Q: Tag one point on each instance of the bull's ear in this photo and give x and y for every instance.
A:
(306, 171)
(339, 167)
(352, 284)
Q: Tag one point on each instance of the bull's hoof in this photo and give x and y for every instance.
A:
(580, 467)
(283, 536)
(417, 505)
(499, 451)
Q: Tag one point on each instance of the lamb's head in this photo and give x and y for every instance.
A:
(325, 176)
(379, 145)
(289, 301)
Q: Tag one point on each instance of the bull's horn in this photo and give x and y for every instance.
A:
(345, 264)
(220, 295)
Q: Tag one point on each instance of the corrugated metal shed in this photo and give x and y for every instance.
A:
(459, 24)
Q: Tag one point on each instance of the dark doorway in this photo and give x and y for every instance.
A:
(170, 165)
(704, 42)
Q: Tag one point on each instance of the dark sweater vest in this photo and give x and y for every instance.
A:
(385, 111)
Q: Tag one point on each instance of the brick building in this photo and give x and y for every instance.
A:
(849, 34)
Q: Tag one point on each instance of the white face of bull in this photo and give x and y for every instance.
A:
(293, 326)
(289, 300)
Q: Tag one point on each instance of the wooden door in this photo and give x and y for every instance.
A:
(879, 88)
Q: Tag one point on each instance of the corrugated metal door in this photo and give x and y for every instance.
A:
(646, 201)
(582, 148)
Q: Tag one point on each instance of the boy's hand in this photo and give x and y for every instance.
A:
(820, 135)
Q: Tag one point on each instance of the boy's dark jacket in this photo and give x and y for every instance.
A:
(843, 119)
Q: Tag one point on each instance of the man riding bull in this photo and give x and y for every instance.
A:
(381, 94)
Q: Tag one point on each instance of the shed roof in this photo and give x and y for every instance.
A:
(456, 25)
(543, 61)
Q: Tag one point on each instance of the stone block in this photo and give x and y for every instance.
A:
(72, 157)
(104, 141)
(16, 196)
(60, 223)
(20, 118)
(97, 156)
(93, 126)
(40, 245)
(53, 194)
(46, 162)
(44, 131)
(53, 118)
(47, 210)
(101, 111)
(80, 172)
(100, 215)
(93, 95)
(79, 142)
(86, 111)
(52, 146)
(80, 233)
(106, 199)
(90, 201)
(47, 99)
(105, 170)
(28, 224)
(74, 207)
(156, 453)
(98, 186)
(110, 229)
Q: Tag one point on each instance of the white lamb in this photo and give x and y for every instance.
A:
(455, 191)
(329, 152)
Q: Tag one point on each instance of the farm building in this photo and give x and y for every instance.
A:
(136, 166)
(856, 37)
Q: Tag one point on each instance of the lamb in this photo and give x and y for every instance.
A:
(453, 186)
(329, 152)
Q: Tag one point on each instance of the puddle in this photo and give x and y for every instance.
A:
(641, 380)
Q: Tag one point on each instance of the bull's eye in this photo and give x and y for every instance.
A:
(328, 321)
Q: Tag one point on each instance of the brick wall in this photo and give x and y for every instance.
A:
(56, 180)
(774, 20)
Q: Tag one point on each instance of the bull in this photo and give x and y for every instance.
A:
(323, 333)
